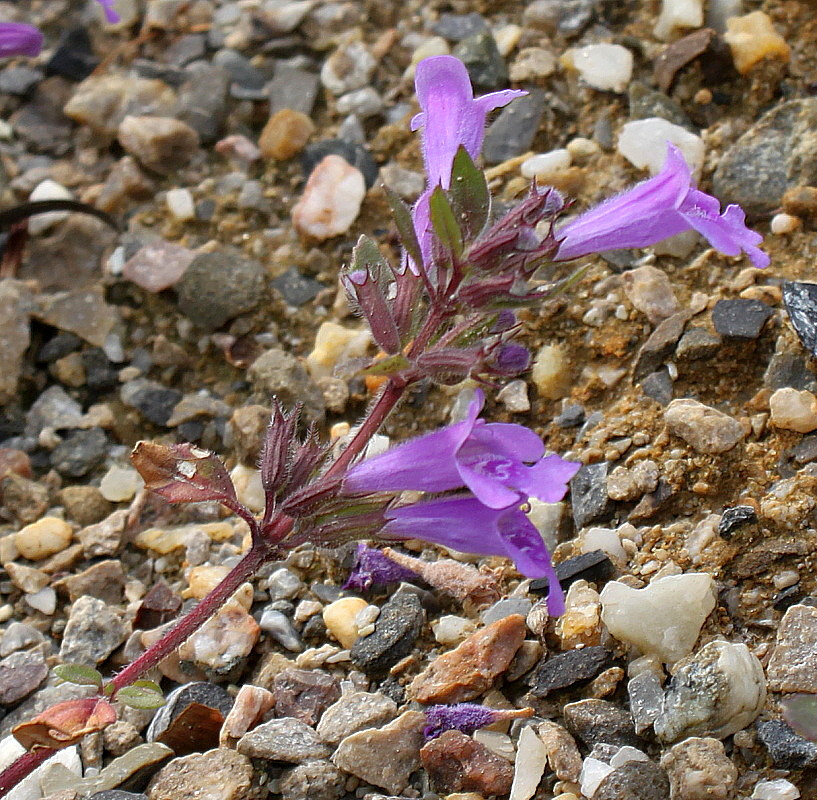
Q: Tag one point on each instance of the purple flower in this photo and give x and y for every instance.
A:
(501, 463)
(18, 39)
(464, 523)
(466, 717)
(451, 116)
(372, 566)
(110, 14)
(656, 209)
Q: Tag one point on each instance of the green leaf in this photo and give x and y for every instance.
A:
(366, 254)
(79, 674)
(800, 712)
(405, 225)
(470, 196)
(137, 696)
(444, 222)
(388, 366)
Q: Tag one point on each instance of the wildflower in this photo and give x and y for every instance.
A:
(18, 39)
(655, 209)
(107, 7)
(463, 523)
(467, 718)
(373, 566)
(501, 463)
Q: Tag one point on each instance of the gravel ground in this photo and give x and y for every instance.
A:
(675, 376)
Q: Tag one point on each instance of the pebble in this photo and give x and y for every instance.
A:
(678, 14)
(531, 64)
(43, 538)
(304, 694)
(120, 484)
(161, 144)
(765, 161)
(450, 629)
(787, 749)
(514, 396)
(485, 64)
(642, 779)
(779, 789)
(717, 691)
(607, 67)
(551, 372)
(30, 787)
(335, 344)
(697, 344)
(26, 579)
(44, 601)
(181, 205)
(793, 410)
(513, 131)
(285, 134)
(48, 190)
(286, 739)
(699, 769)
(80, 452)
(16, 301)
(349, 67)
(643, 143)
(279, 626)
(363, 103)
(625, 484)
(104, 580)
(154, 401)
(469, 670)
(753, 38)
(588, 493)
(340, 619)
(353, 712)
(395, 632)
(18, 636)
(219, 774)
(781, 224)
(650, 291)
(563, 670)
(791, 667)
(218, 286)
(455, 762)
(386, 756)
(662, 619)
(740, 318)
(705, 429)
(529, 766)
(544, 165)
(600, 721)
(94, 630)
(20, 674)
(314, 780)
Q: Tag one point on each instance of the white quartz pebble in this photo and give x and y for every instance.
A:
(544, 165)
(676, 14)
(784, 223)
(180, 204)
(531, 758)
(47, 190)
(592, 774)
(607, 67)
(643, 143)
(781, 789)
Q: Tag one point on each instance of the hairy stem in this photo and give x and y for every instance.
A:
(22, 768)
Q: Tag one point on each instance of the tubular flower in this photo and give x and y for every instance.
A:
(18, 39)
(656, 209)
(501, 463)
(107, 7)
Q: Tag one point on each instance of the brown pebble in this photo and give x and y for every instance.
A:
(304, 694)
(84, 505)
(457, 763)
(470, 670)
(14, 461)
(285, 134)
(162, 144)
(801, 201)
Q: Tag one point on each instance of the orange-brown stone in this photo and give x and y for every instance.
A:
(285, 134)
(470, 670)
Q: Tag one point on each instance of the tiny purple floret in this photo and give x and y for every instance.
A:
(466, 717)
(107, 7)
(19, 39)
(656, 209)
(372, 566)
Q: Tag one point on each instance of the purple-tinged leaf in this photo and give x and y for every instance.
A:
(405, 227)
(310, 499)
(277, 447)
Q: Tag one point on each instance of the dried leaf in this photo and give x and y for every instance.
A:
(65, 723)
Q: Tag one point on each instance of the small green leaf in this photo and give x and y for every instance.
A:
(79, 674)
(366, 254)
(109, 688)
(388, 366)
(141, 696)
(405, 226)
(444, 222)
(470, 197)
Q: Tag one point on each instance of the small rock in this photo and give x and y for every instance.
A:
(43, 538)
(752, 38)
(600, 721)
(18, 636)
(181, 205)
(514, 396)
(642, 779)
(660, 344)
(295, 288)
(349, 67)
(152, 400)
(104, 580)
(158, 266)
(218, 286)
(353, 712)
(277, 373)
(48, 190)
(215, 775)
(664, 618)
(706, 429)
(285, 739)
(314, 780)
(788, 750)
(331, 200)
(793, 410)
(529, 765)
(285, 134)
(340, 619)
(363, 103)
(120, 484)
(779, 789)
(715, 692)
(513, 131)
(588, 494)
(676, 15)
(279, 626)
(567, 669)
(792, 664)
(643, 143)
(395, 631)
(625, 484)
(550, 372)
(387, 756)
(20, 674)
(740, 318)
(294, 88)
(80, 452)
(697, 344)
(607, 67)
(251, 704)
(103, 538)
(304, 694)
(699, 769)
(94, 630)
(650, 291)
(470, 670)
(482, 59)
(84, 505)
(562, 753)
(161, 144)
(333, 345)
(456, 763)
(531, 64)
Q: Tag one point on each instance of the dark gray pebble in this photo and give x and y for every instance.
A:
(80, 452)
(740, 318)
(588, 494)
(788, 750)
(642, 779)
(513, 131)
(569, 668)
(600, 721)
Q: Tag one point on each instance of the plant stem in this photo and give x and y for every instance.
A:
(22, 768)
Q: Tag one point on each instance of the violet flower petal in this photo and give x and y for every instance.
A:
(655, 209)
(19, 39)
(110, 14)
(465, 717)
(373, 566)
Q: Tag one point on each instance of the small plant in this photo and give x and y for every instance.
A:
(444, 313)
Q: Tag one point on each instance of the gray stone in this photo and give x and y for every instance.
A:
(353, 712)
(568, 17)
(788, 369)
(776, 153)
(20, 674)
(697, 344)
(285, 739)
(793, 664)
(800, 299)
(19, 80)
(83, 311)
(482, 59)
(569, 668)
(513, 131)
(646, 103)
(152, 400)
(314, 780)
(19, 635)
(240, 70)
(219, 774)
(699, 769)
(41, 123)
(16, 302)
(293, 88)
(279, 626)
(660, 344)
(80, 452)
(506, 607)
(646, 696)
(456, 27)
(304, 694)
(209, 695)
(296, 289)
(93, 632)
(588, 494)
(788, 750)
(203, 100)
(658, 386)
(162, 144)
(740, 318)
(642, 779)
(277, 373)
(600, 722)
(219, 286)
(395, 633)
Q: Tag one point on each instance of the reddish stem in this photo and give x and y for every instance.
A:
(22, 768)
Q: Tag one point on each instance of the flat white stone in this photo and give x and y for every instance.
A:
(47, 190)
(531, 759)
(780, 789)
(662, 619)
(677, 14)
(643, 143)
(180, 204)
(544, 165)
(592, 774)
(607, 67)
